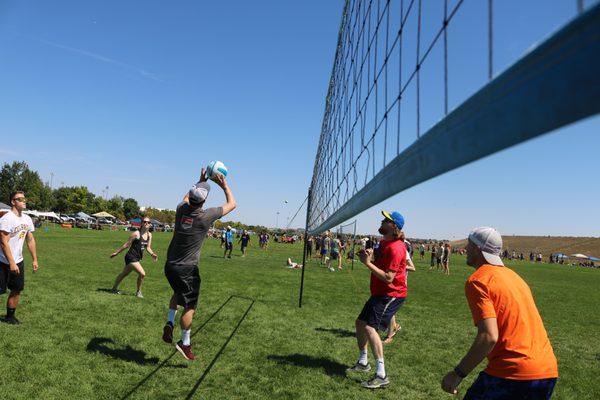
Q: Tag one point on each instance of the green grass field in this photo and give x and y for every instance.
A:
(77, 341)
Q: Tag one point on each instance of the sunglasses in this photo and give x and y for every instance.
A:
(147, 222)
(20, 199)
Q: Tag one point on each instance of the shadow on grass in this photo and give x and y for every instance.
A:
(105, 290)
(343, 333)
(201, 379)
(127, 353)
(332, 368)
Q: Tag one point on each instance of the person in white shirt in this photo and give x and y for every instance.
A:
(15, 228)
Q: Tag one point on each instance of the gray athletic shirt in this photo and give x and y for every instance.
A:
(191, 227)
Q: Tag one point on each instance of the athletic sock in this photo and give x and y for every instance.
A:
(185, 336)
(10, 312)
(362, 358)
(171, 316)
(380, 368)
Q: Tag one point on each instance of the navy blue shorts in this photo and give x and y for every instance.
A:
(492, 388)
(379, 310)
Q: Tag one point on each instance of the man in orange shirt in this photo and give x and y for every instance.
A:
(510, 331)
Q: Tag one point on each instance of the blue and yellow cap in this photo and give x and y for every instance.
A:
(395, 217)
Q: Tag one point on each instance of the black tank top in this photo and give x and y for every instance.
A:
(136, 250)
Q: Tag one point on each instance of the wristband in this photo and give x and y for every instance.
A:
(459, 372)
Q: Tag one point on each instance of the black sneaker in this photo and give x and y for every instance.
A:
(168, 333)
(11, 321)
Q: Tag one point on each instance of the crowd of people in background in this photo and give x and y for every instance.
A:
(333, 248)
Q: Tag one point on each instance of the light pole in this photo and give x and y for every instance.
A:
(51, 179)
(277, 221)
(106, 198)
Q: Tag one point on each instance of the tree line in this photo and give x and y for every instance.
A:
(74, 199)
(64, 200)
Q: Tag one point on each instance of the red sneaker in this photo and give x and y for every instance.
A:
(168, 333)
(185, 351)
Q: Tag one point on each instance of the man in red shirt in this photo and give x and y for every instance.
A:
(388, 292)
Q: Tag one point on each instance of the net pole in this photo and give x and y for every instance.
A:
(354, 245)
(305, 249)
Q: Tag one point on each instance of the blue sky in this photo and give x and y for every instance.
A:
(137, 96)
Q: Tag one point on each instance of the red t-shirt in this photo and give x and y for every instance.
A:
(390, 256)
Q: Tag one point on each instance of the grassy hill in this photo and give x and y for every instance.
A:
(548, 244)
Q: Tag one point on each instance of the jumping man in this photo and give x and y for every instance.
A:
(192, 223)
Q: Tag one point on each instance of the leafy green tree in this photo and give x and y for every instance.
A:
(131, 208)
(164, 216)
(96, 205)
(73, 199)
(18, 176)
(114, 206)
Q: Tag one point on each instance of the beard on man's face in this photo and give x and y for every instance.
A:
(384, 230)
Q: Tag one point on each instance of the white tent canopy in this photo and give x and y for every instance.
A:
(46, 214)
(579, 255)
(103, 214)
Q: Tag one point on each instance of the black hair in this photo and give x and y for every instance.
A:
(13, 194)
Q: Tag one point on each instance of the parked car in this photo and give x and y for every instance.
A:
(67, 219)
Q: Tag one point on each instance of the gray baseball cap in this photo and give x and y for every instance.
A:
(489, 241)
(199, 192)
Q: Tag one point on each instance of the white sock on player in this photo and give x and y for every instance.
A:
(185, 336)
(380, 368)
(362, 358)
(171, 316)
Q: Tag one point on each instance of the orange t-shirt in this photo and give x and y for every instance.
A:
(523, 351)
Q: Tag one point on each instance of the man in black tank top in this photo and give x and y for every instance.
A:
(137, 242)
(192, 223)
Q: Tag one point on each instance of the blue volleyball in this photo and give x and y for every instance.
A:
(215, 167)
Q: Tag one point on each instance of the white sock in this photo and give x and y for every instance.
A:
(362, 358)
(185, 336)
(172, 312)
(380, 368)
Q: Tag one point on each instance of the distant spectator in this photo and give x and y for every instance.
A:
(334, 253)
(228, 242)
(446, 258)
(439, 250)
(244, 240)
(291, 264)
